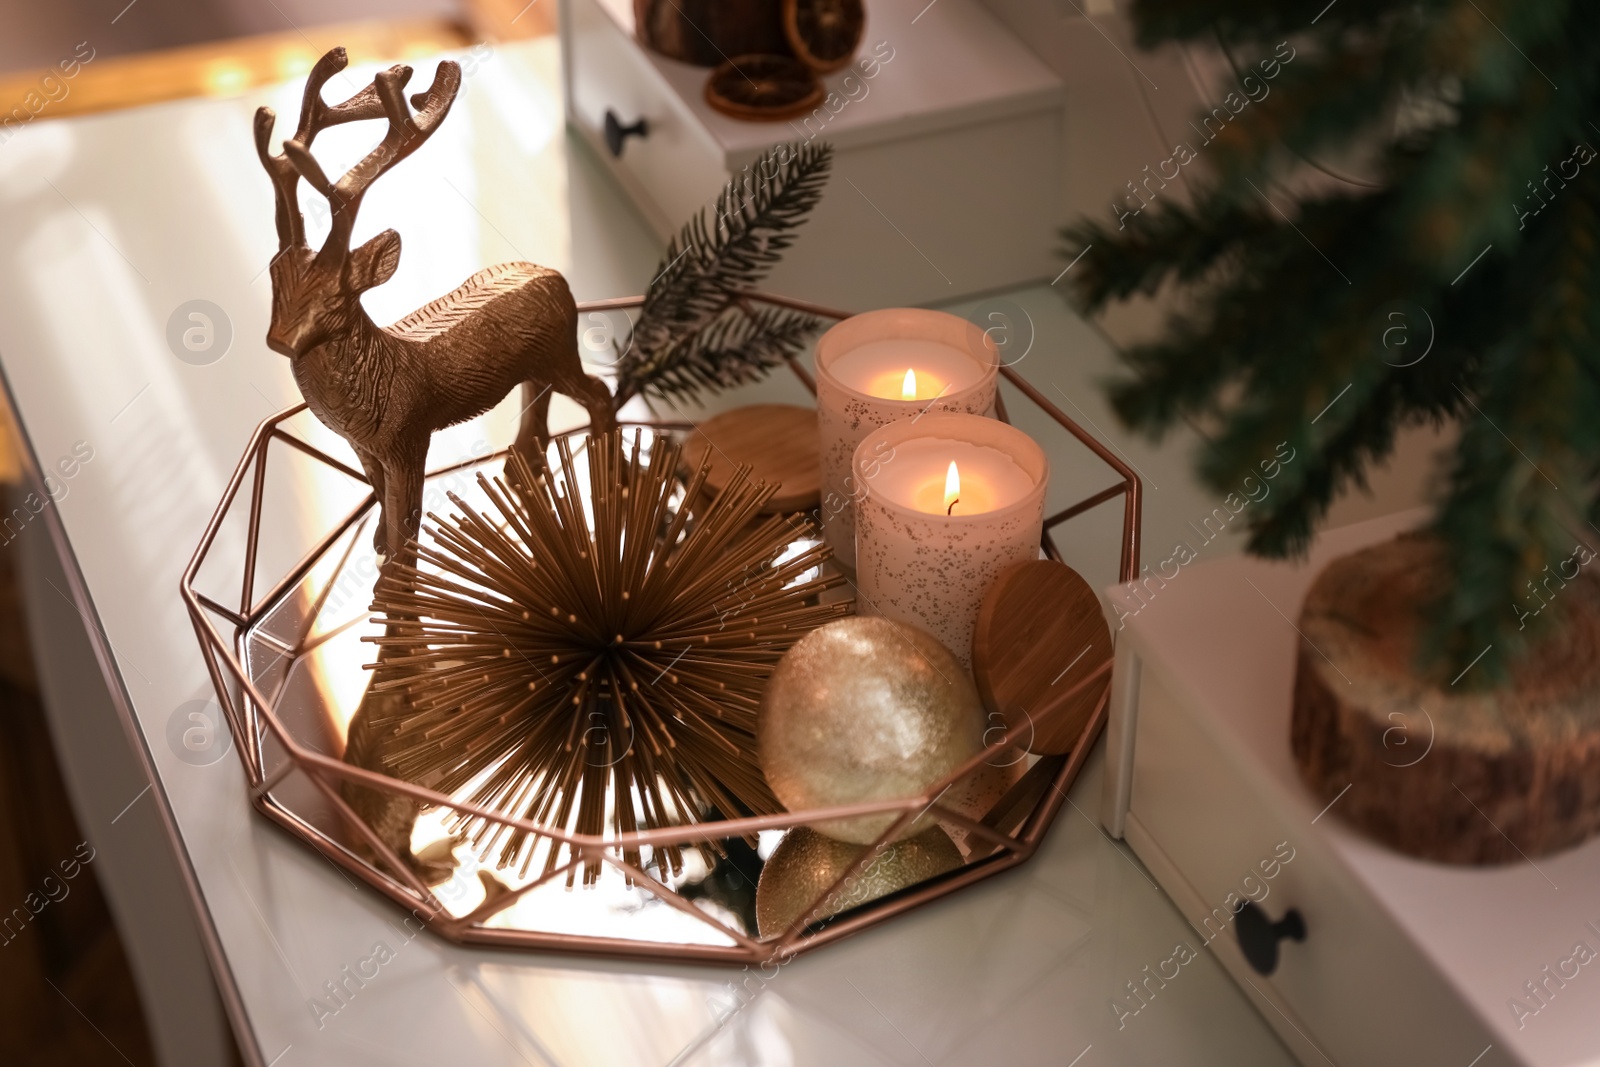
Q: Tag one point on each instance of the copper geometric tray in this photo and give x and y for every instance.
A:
(285, 663)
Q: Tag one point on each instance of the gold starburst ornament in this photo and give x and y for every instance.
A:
(595, 660)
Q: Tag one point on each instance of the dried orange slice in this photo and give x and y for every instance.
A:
(763, 88)
(824, 33)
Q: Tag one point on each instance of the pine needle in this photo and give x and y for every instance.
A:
(696, 331)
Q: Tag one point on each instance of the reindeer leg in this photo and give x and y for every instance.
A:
(402, 499)
(597, 399)
(594, 396)
(374, 472)
(391, 815)
(533, 436)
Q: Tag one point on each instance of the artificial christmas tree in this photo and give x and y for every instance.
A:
(1392, 219)
(1476, 211)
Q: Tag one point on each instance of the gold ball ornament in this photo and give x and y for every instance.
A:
(806, 863)
(865, 709)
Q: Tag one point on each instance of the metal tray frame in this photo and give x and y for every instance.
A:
(1027, 810)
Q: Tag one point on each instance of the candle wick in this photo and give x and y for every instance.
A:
(952, 506)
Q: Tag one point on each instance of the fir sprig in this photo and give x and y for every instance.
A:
(1462, 216)
(697, 331)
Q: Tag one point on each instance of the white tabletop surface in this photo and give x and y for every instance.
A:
(112, 222)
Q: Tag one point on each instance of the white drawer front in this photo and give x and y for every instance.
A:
(1358, 988)
(931, 206)
(932, 217)
(675, 168)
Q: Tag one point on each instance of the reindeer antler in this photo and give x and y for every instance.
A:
(316, 115)
(406, 134)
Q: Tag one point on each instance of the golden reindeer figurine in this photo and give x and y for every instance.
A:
(387, 389)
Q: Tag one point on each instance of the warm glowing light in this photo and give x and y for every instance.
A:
(226, 77)
(952, 486)
(294, 63)
(905, 385)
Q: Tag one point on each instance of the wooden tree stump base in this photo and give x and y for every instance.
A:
(1437, 770)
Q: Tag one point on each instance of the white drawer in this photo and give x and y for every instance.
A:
(930, 218)
(1405, 961)
(675, 167)
(1193, 815)
(948, 173)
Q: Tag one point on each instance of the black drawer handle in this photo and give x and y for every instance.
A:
(617, 134)
(1259, 935)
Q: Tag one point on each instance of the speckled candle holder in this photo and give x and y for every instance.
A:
(847, 413)
(929, 569)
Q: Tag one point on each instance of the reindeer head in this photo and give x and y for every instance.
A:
(316, 294)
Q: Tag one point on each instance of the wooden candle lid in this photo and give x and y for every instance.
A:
(1438, 768)
(1040, 632)
(777, 441)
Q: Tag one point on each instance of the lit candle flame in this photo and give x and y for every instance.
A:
(908, 388)
(952, 487)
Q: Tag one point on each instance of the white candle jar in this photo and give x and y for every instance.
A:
(862, 384)
(925, 559)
